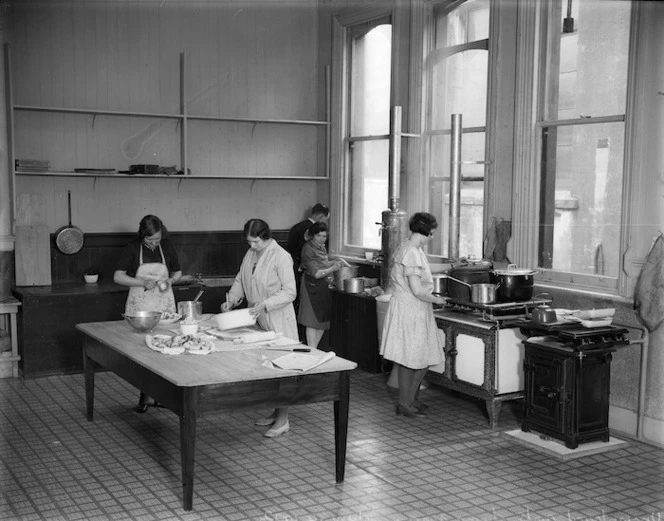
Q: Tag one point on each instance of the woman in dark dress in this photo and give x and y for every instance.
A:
(314, 310)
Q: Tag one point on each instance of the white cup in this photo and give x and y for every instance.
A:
(368, 255)
(91, 279)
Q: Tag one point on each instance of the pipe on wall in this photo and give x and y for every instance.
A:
(455, 187)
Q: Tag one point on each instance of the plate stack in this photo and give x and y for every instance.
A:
(31, 165)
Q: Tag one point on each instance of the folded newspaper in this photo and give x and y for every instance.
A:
(298, 361)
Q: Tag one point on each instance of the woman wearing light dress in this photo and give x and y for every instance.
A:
(410, 335)
(266, 280)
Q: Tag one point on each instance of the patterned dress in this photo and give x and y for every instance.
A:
(410, 333)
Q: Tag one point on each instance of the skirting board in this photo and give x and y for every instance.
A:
(557, 449)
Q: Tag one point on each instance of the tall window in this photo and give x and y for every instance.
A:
(365, 194)
(457, 68)
(582, 105)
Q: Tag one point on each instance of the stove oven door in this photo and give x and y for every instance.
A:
(545, 393)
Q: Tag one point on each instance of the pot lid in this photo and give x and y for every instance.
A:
(520, 271)
(482, 265)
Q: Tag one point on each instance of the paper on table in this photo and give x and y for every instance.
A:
(299, 361)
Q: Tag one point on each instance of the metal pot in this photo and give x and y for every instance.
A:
(462, 275)
(190, 309)
(440, 284)
(69, 239)
(343, 273)
(354, 285)
(482, 293)
(515, 284)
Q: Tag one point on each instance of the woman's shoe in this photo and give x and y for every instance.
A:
(420, 406)
(142, 407)
(273, 433)
(409, 412)
(264, 422)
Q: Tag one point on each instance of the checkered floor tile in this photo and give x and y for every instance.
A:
(56, 465)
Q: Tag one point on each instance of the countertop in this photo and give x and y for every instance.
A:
(68, 288)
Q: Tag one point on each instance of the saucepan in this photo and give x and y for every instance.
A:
(479, 293)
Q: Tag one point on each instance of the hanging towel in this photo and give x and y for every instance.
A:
(495, 241)
(649, 290)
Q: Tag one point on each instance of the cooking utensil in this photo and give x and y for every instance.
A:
(544, 315)
(440, 284)
(190, 309)
(235, 318)
(343, 273)
(143, 320)
(354, 285)
(482, 293)
(199, 295)
(69, 239)
(474, 273)
(515, 284)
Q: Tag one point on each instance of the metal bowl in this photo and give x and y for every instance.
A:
(143, 320)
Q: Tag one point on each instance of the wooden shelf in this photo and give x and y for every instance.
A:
(176, 177)
(196, 117)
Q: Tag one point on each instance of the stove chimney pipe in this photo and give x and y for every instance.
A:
(394, 224)
(455, 187)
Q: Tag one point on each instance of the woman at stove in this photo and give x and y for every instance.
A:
(149, 266)
(410, 335)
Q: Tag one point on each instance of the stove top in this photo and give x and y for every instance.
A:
(580, 337)
(497, 311)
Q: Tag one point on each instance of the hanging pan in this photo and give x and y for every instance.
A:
(69, 239)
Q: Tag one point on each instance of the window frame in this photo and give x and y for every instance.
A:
(343, 26)
(538, 19)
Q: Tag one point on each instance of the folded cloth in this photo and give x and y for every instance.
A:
(649, 289)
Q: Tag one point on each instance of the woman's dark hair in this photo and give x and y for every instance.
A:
(316, 228)
(149, 225)
(257, 228)
(422, 223)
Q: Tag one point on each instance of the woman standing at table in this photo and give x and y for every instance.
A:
(410, 334)
(267, 281)
(149, 265)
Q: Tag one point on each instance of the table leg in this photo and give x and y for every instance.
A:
(187, 443)
(493, 409)
(341, 425)
(89, 369)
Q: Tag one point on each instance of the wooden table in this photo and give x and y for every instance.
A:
(189, 385)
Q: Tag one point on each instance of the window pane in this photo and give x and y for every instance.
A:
(587, 69)
(582, 199)
(460, 87)
(467, 23)
(370, 82)
(367, 192)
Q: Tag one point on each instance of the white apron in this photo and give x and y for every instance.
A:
(140, 299)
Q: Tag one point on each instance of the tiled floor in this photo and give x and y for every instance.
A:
(448, 466)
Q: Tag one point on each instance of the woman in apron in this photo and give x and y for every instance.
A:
(267, 281)
(315, 301)
(149, 265)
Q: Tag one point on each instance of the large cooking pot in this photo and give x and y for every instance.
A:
(482, 293)
(69, 239)
(469, 273)
(354, 285)
(343, 273)
(515, 284)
